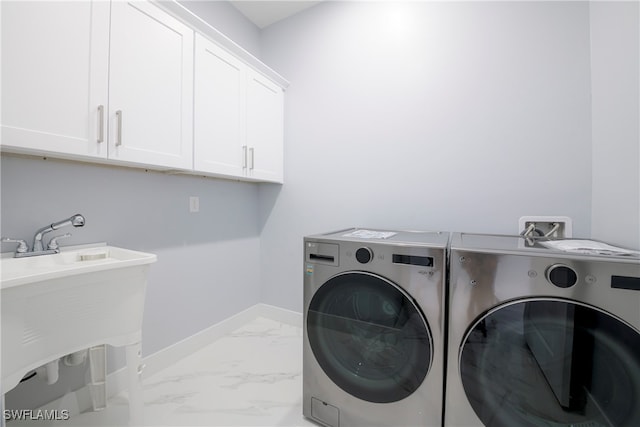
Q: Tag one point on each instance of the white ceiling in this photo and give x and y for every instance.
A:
(266, 12)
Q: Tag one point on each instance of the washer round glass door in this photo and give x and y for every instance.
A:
(369, 337)
(552, 363)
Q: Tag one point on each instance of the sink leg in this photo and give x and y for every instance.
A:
(98, 370)
(134, 368)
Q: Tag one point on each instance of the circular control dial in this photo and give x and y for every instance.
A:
(364, 255)
(562, 276)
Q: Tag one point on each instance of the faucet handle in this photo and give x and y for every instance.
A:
(22, 245)
(53, 243)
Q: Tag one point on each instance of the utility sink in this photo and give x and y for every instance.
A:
(20, 271)
(54, 305)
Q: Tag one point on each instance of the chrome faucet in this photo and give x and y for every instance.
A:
(76, 220)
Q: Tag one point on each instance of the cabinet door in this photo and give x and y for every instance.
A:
(150, 86)
(54, 76)
(219, 118)
(265, 123)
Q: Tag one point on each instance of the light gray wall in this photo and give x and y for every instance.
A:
(426, 115)
(225, 18)
(615, 59)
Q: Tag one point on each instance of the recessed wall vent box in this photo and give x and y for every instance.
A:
(557, 227)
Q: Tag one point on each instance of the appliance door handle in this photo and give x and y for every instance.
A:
(253, 155)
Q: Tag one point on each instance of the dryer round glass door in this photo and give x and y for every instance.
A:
(552, 362)
(369, 337)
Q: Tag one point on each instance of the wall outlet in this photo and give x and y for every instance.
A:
(556, 227)
(194, 204)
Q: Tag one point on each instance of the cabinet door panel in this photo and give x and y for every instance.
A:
(54, 76)
(219, 110)
(265, 125)
(151, 84)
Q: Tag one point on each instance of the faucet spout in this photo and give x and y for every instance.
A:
(76, 220)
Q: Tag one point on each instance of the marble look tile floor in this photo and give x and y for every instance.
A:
(250, 377)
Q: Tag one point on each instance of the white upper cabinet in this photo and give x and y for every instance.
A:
(265, 127)
(150, 87)
(140, 83)
(61, 65)
(55, 76)
(219, 116)
(238, 117)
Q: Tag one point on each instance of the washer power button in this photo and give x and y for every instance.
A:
(364, 255)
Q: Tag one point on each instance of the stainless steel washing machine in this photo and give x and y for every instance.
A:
(373, 328)
(541, 337)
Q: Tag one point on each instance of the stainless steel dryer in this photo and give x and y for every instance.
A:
(373, 328)
(541, 337)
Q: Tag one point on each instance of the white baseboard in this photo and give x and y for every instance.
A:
(117, 382)
(282, 315)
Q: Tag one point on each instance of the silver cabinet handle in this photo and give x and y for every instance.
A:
(100, 124)
(244, 156)
(119, 128)
(253, 155)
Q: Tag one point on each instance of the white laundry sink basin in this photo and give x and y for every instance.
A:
(54, 305)
(20, 271)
